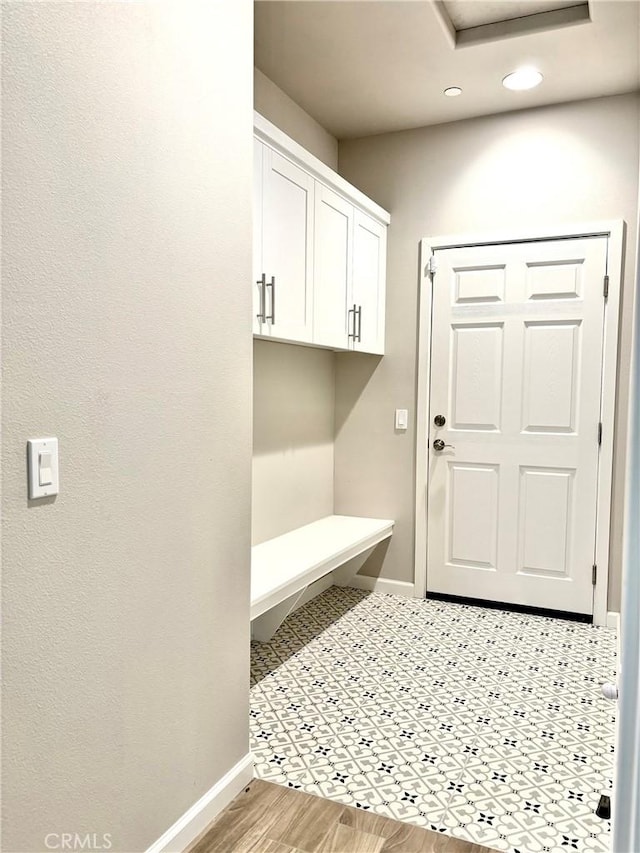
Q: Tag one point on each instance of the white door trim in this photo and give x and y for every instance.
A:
(626, 816)
(614, 231)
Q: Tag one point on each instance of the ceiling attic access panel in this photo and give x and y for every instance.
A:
(470, 22)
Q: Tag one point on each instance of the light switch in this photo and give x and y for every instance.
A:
(45, 476)
(402, 418)
(42, 455)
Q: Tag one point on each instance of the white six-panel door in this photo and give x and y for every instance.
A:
(516, 372)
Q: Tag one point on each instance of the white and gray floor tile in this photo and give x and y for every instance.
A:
(484, 724)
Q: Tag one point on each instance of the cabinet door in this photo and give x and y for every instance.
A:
(369, 280)
(287, 235)
(333, 247)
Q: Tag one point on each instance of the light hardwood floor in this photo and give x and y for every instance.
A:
(268, 818)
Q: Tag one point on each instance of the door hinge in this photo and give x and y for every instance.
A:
(432, 266)
(594, 574)
(606, 287)
(600, 433)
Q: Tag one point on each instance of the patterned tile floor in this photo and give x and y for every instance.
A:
(483, 724)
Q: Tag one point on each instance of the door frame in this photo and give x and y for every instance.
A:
(614, 230)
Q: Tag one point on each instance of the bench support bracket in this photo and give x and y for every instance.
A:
(264, 627)
(345, 573)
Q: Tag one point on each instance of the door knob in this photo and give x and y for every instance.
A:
(439, 420)
(439, 444)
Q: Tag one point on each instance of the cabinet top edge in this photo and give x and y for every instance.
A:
(267, 132)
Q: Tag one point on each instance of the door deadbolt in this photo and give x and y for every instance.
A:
(439, 444)
(439, 420)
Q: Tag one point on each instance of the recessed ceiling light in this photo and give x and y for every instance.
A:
(523, 78)
(453, 91)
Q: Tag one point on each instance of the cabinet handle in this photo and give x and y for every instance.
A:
(349, 312)
(359, 323)
(272, 285)
(261, 281)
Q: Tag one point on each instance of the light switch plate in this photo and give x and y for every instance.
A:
(42, 455)
(402, 418)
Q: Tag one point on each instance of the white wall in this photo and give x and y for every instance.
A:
(294, 387)
(126, 333)
(293, 430)
(276, 106)
(563, 164)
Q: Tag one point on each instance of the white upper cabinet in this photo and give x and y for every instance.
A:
(368, 292)
(283, 273)
(319, 251)
(348, 275)
(332, 269)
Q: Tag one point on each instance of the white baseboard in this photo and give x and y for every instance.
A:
(613, 621)
(382, 585)
(196, 819)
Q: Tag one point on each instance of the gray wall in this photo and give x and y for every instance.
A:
(276, 106)
(294, 386)
(570, 163)
(293, 430)
(126, 333)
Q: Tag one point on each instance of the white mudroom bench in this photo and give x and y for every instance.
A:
(283, 568)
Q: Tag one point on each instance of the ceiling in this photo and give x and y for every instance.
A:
(362, 67)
